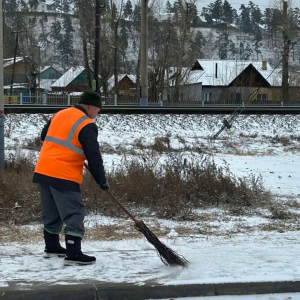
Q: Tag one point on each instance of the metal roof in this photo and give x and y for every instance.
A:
(68, 77)
(223, 72)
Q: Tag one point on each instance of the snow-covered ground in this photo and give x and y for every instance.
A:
(260, 256)
(266, 145)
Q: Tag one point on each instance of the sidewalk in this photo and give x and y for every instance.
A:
(135, 292)
(261, 262)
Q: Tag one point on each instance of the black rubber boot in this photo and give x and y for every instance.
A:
(53, 247)
(74, 254)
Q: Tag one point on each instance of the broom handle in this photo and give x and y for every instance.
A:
(117, 201)
(122, 206)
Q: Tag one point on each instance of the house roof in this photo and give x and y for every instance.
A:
(111, 80)
(44, 68)
(165, 16)
(15, 86)
(68, 77)
(9, 61)
(223, 72)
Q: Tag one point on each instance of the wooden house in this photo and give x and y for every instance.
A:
(126, 84)
(23, 71)
(74, 80)
(48, 75)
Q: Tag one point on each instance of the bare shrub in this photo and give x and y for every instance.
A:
(280, 139)
(180, 139)
(175, 188)
(138, 143)
(252, 136)
(295, 138)
(19, 199)
(161, 144)
(106, 148)
(293, 203)
(121, 149)
(33, 144)
(279, 212)
(10, 126)
(172, 189)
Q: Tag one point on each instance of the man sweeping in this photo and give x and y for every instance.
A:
(69, 139)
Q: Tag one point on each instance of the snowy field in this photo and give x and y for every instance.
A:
(225, 249)
(266, 145)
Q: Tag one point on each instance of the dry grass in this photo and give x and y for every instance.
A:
(205, 224)
(172, 190)
(113, 232)
(293, 203)
(106, 148)
(280, 212)
(19, 198)
(11, 233)
(33, 144)
(284, 141)
(175, 189)
(252, 136)
(161, 144)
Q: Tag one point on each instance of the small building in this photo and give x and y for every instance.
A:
(48, 7)
(24, 71)
(48, 72)
(190, 86)
(126, 84)
(48, 76)
(74, 80)
(228, 80)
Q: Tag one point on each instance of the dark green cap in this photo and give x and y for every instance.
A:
(90, 98)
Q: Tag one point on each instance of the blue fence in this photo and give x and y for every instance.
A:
(65, 100)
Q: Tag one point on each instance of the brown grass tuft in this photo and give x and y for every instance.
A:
(19, 199)
(145, 185)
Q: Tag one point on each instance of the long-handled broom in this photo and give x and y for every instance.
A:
(167, 255)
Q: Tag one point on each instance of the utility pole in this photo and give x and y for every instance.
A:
(14, 65)
(39, 74)
(286, 51)
(144, 53)
(2, 161)
(97, 46)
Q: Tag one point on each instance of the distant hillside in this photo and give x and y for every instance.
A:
(239, 46)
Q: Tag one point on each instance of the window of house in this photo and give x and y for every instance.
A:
(208, 97)
(238, 97)
(261, 97)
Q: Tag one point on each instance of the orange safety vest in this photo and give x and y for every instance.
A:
(62, 155)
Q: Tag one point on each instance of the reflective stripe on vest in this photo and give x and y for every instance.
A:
(67, 142)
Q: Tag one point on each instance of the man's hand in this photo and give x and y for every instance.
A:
(104, 186)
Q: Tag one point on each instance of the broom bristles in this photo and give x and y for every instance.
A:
(167, 255)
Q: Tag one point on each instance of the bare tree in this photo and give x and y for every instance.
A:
(115, 21)
(183, 19)
(85, 28)
(288, 33)
(286, 51)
